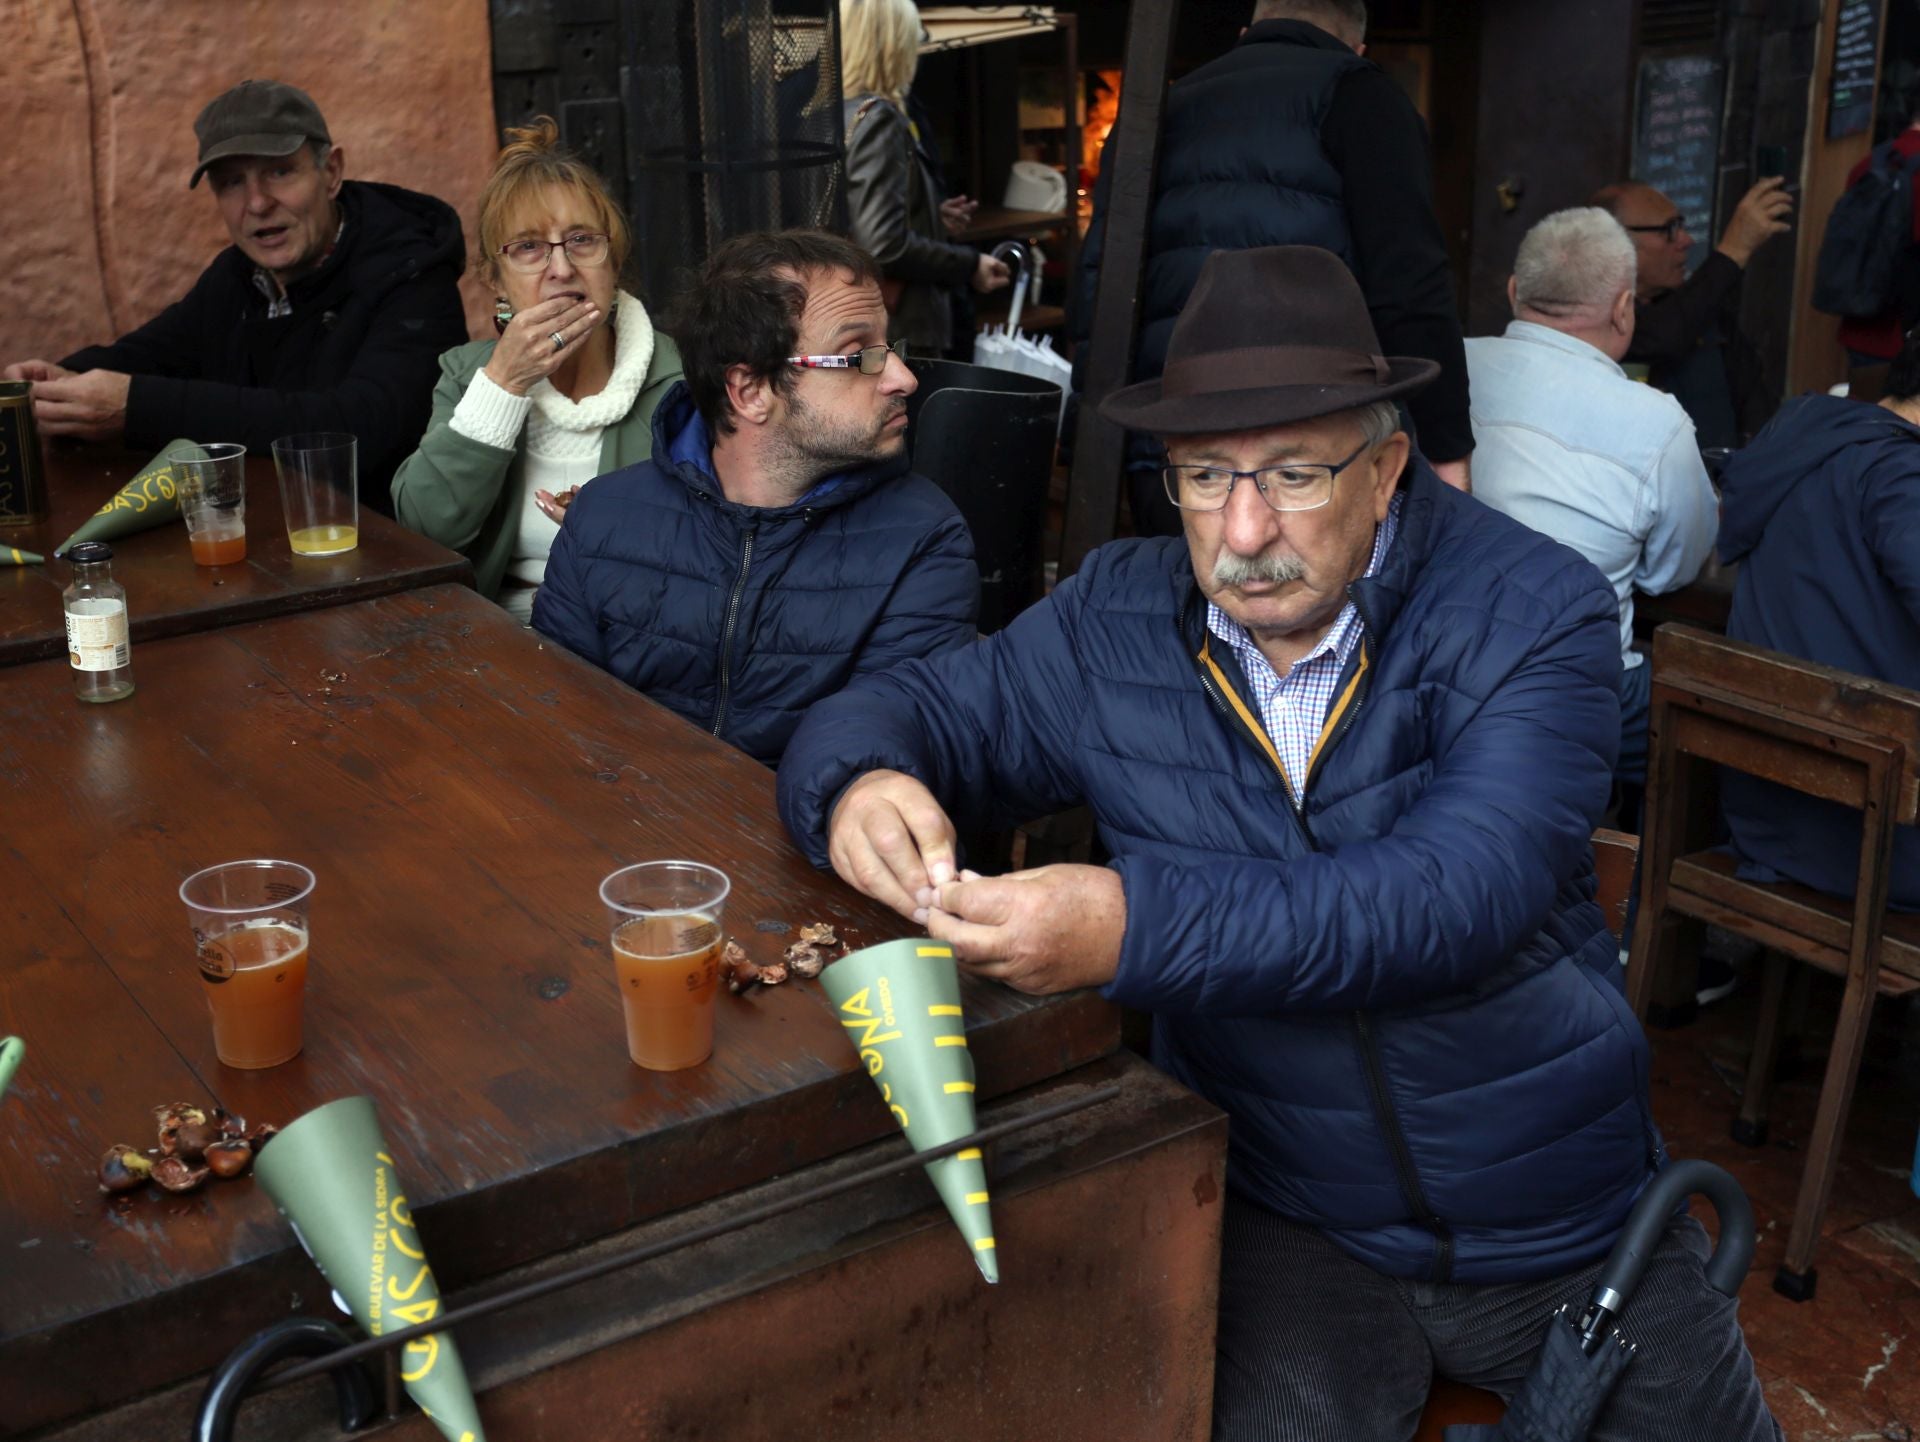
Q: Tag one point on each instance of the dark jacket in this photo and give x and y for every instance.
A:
(738, 617)
(1402, 993)
(1822, 514)
(1292, 139)
(1692, 345)
(893, 200)
(359, 353)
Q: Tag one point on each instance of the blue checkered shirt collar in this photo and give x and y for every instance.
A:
(1293, 707)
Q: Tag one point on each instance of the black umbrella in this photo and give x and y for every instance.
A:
(1581, 1358)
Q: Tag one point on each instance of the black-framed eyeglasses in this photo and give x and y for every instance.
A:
(869, 360)
(1668, 229)
(583, 247)
(1303, 487)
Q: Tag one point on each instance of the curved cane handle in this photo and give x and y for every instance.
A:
(297, 1337)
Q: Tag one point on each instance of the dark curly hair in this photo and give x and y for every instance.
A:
(743, 307)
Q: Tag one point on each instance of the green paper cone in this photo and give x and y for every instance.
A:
(900, 1004)
(14, 556)
(12, 1050)
(332, 1176)
(150, 499)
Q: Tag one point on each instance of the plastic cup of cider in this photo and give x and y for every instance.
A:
(249, 921)
(212, 481)
(665, 920)
(320, 491)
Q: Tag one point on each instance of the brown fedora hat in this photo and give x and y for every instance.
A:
(1268, 337)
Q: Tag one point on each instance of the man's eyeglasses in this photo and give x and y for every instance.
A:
(868, 360)
(583, 247)
(1668, 229)
(1304, 487)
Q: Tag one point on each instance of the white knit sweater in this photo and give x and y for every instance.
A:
(556, 441)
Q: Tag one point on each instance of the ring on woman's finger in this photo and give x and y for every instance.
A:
(559, 341)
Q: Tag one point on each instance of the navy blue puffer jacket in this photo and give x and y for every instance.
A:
(740, 617)
(1403, 992)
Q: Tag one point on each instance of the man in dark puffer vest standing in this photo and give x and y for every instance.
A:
(775, 546)
(1292, 138)
(1346, 743)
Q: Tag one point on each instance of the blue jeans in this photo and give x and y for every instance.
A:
(1636, 688)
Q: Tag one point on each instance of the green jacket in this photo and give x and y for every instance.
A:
(454, 488)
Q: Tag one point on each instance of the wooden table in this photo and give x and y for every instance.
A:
(167, 594)
(459, 788)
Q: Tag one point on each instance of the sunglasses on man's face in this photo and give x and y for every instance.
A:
(1668, 229)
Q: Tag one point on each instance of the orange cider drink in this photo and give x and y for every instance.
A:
(255, 978)
(664, 918)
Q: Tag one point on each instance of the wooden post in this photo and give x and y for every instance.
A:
(1099, 445)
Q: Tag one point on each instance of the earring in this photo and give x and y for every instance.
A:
(502, 313)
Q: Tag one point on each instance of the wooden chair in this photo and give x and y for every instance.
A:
(1451, 1402)
(1824, 733)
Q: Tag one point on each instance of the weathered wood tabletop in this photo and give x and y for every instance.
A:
(460, 788)
(167, 594)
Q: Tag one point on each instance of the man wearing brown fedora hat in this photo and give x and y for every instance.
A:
(328, 312)
(1345, 741)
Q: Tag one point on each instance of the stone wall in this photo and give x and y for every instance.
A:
(97, 100)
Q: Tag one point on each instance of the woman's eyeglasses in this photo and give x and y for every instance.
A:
(583, 247)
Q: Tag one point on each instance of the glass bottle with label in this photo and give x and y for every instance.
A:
(98, 647)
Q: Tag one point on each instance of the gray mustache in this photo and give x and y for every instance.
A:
(1232, 570)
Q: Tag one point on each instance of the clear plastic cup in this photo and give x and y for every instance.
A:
(319, 490)
(212, 485)
(249, 921)
(665, 923)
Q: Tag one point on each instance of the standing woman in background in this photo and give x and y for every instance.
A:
(894, 196)
(566, 394)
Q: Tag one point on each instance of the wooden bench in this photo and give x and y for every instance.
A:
(1827, 734)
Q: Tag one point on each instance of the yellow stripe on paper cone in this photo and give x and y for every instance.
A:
(945, 1011)
(971, 1154)
(953, 1087)
(933, 951)
(950, 1041)
(984, 1244)
(977, 1199)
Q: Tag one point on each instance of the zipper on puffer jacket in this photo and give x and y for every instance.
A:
(726, 631)
(1406, 1172)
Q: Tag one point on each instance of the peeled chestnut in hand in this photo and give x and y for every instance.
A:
(230, 1157)
(123, 1168)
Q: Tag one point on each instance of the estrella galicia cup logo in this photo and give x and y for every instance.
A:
(332, 1175)
(216, 965)
(152, 498)
(899, 1004)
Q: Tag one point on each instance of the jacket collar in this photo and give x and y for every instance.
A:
(683, 449)
(1532, 333)
(1292, 32)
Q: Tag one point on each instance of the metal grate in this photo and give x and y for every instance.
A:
(733, 124)
(1679, 22)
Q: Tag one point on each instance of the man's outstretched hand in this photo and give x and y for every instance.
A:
(890, 839)
(1052, 929)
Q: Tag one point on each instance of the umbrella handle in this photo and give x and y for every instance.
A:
(1022, 256)
(1627, 1263)
(296, 1337)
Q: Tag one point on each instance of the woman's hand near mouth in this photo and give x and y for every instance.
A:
(526, 353)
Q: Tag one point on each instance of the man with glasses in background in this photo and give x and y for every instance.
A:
(327, 313)
(775, 546)
(1687, 328)
(1346, 741)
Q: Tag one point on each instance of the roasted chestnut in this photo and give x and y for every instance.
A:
(177, 1175)
(229, 1157)
(123, 1168)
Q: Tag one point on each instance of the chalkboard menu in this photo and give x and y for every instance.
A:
(1676, 137)
(1856, 39)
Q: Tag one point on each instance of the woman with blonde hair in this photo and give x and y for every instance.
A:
(892, 191)
(565, 394)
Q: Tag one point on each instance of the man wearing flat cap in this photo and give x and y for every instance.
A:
(1346, 741)
(327, 313)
